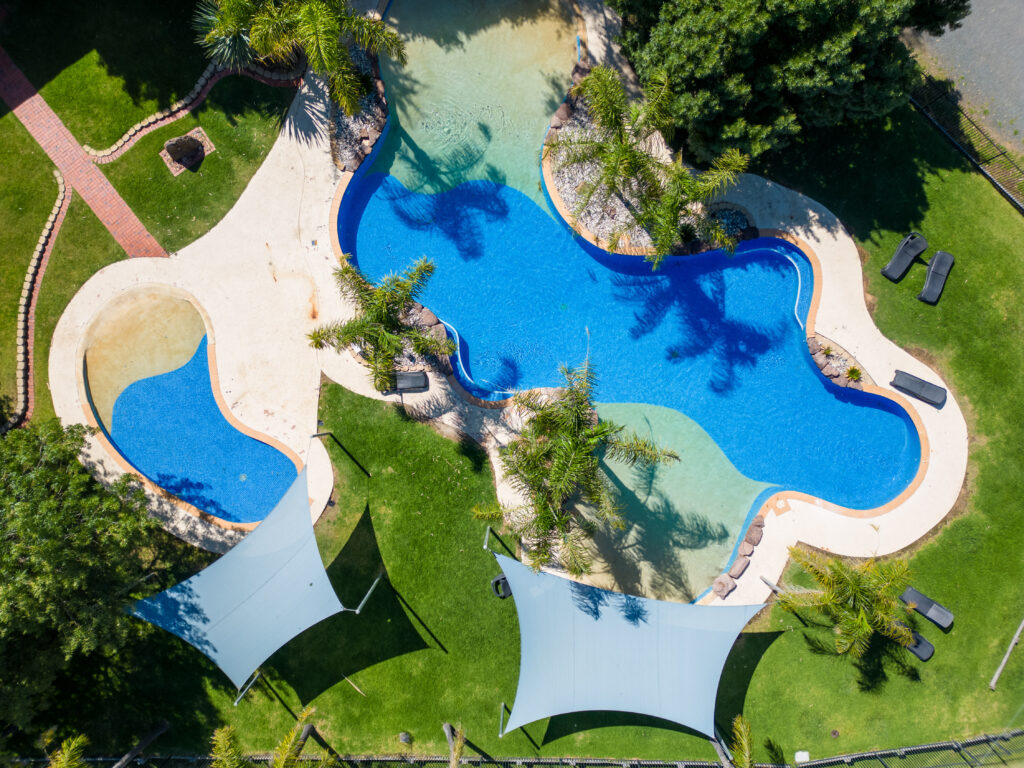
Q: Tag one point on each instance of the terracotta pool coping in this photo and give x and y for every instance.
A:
(90, 418)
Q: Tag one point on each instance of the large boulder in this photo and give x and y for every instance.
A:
(739, 567)
(746, 548)
(813, 346)
(184, 149)
(427, 317)
(831, 371)
(754, 535)
(563, 112)
(819, 358)
(723, 585)
(758, 522)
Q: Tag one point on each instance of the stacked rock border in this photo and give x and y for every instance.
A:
(368, 135)
(24, 385)
(210, 77)
(726, 583)
(835, 362)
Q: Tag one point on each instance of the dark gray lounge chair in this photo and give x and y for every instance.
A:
(500, 586)
(913, 245)
(411, 381)
(935, 278)
(921, 647)
(919, 388)
(937, 614)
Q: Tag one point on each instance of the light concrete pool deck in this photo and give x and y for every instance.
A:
(263, 276)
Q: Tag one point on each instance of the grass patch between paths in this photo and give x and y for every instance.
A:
(242, 117)
(27, 194)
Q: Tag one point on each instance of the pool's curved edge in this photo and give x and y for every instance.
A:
(101, 436)
(839, 311)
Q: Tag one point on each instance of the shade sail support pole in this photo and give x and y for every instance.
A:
(245, 688)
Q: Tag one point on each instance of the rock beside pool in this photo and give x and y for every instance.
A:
(842, 381)
(814, 346)
(746, 548)
(830, 370)
(427, 317)
(723, 585)
(856, 385)
(579, 72)
(739, 567)
(563, 112)
(820, 359)
(556, 122)
(754, 535)
(757, 522)
(438, 331)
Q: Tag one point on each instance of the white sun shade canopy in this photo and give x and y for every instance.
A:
(266, 590)
(584, 648)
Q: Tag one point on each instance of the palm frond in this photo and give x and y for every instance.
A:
(374, 35)
(742, 744)
(286, 753)
(70, 754)
(225, 751)
(632, 449)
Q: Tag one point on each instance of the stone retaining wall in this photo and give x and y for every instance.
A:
(24, 384)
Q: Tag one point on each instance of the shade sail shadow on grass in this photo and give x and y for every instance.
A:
(744, 658)
(345, 643)
(561, 726)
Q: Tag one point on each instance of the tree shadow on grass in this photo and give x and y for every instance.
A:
(870, 174)
(346, 643)
(149, 46)
(883, 658)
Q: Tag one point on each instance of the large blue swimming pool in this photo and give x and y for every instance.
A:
(172, 431)
(719, 338)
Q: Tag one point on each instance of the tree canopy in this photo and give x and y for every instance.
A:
(859, 600)
(379, 327)
(234, 32)
(555, 462)
(74, 554)
(664, 198)
(750, 74)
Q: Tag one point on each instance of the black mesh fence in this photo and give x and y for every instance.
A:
(1005, 749)
(939, 101)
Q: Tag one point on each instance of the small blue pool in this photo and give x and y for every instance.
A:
(718, 338)
(172, 431)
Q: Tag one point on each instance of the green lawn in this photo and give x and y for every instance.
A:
(103, 66)
(242, 118)
(83, 247)
(27, 193)
(883, 181)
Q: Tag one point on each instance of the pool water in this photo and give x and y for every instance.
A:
(172, 431)
(482, 82)
(718, 338)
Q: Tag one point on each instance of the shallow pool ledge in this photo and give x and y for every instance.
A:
(839, 311)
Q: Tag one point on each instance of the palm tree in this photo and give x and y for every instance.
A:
(70, 753)
(378, 326)
(225, 751)
(859, 600)
(555, 462)
(617, 143)
(666, 199)
(676, 215)
(742, 745)
(234, 32)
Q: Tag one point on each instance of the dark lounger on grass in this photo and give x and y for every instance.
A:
(913, 245)
(937, 614)
(410, 381)
(919, 388)
(935, 278)
(921, 648)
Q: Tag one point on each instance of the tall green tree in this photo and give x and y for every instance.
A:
(666, 199)
(234, 32)
(555, 461)
(859, 600)
(750, 74)
(74, 554)
(379, 327)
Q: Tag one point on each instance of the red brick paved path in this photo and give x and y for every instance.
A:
(79, 171)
